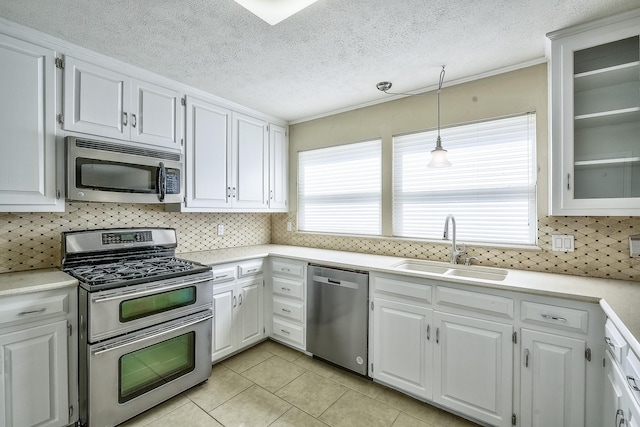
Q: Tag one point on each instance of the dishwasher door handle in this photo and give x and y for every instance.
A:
(335, 282)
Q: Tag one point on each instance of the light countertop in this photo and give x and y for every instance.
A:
(24, 282)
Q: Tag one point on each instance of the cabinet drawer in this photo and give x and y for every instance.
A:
(553, 316)
(616, 344)
(475, 301)
(224, 273)
(288, 332)
(287, 308)
(402, 288)
(288, 268)
(250, 268)
(289, 288)
(632, 374)
(25, 308)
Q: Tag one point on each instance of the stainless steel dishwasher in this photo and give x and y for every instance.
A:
(337, 316)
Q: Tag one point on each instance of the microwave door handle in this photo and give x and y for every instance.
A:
(162, 182)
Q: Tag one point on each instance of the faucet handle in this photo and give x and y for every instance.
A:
(467, 260)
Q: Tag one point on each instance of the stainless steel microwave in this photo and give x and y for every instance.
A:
(100, 171)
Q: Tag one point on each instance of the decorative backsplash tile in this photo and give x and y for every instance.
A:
(601, 247)
(32, 240)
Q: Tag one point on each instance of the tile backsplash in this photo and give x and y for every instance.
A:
(601, 247)
(32, 240)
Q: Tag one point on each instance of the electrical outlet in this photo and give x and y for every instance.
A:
(562, 243)
(289, 226)
(220, 229)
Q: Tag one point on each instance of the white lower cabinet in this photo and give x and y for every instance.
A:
(403, 348)
(34, 382)
(287, 302)
(38, 359)
(237, 307)
(474, 367)
(553, 380)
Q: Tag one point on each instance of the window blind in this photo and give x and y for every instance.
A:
(339, 189)
(490, 187)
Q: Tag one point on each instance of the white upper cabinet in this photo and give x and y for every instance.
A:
(102, 102)
(207, 149)
(595, 123)
(250, 163)
(278, 168)
(28, 163)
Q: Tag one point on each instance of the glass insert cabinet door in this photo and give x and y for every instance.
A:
(595, 122)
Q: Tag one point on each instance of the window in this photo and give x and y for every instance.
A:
(339, 189)
(490, 187)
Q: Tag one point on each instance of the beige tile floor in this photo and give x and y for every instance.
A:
(273, 385)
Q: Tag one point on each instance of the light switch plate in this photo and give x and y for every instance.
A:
(289, 226)
(562, 243)
(220, 229)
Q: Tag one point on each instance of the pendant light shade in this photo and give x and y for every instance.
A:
(439, 154)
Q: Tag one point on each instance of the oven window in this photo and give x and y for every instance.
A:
(113, 176)
(149, 305)
(149, 368)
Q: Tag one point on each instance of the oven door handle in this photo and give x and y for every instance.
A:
(149, 291)
(148, 337)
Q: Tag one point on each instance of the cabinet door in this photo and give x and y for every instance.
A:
(614, 386)
(474, 367)
(207, 155)
(402, 346)
(225, 301)
(553, 380)
(156, 115)
(34, 384)
(27, 166)
(96, 100)
(595, 77)
(250, 163)
(250, 322)
(278, 168)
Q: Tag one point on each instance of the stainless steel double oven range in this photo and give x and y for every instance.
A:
(145, 320)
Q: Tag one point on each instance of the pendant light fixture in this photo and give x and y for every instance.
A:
(438, 154)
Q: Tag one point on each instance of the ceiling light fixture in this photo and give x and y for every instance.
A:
(439, 154)
(274, 11)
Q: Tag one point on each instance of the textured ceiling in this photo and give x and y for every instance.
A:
(326, 58)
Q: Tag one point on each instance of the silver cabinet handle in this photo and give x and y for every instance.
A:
(235, 301)
(285, 332)
(620, 415)
(240, 299)
(437, 335)
(428, 332)
(286, 289)
(552, 317)
(526, 357)
(222, 276)
(233, 192)
(27, 312)
(125, 119)
(285, 310)
(134, 120)
(271, 194)
(285, 270)
(632, 383)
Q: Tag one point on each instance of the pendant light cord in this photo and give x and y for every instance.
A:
(439, 90)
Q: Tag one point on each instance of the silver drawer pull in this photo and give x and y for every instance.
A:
(286, 289)
(633, 386)
(609, 342)
(552, 317)
(285, 332)
(285, 310)
(222, 276)
(27, 312)
(285, 269)
(251, 270)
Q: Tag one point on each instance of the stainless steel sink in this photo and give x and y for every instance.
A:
(441, 269)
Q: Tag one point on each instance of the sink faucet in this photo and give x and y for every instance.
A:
(455, 252)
